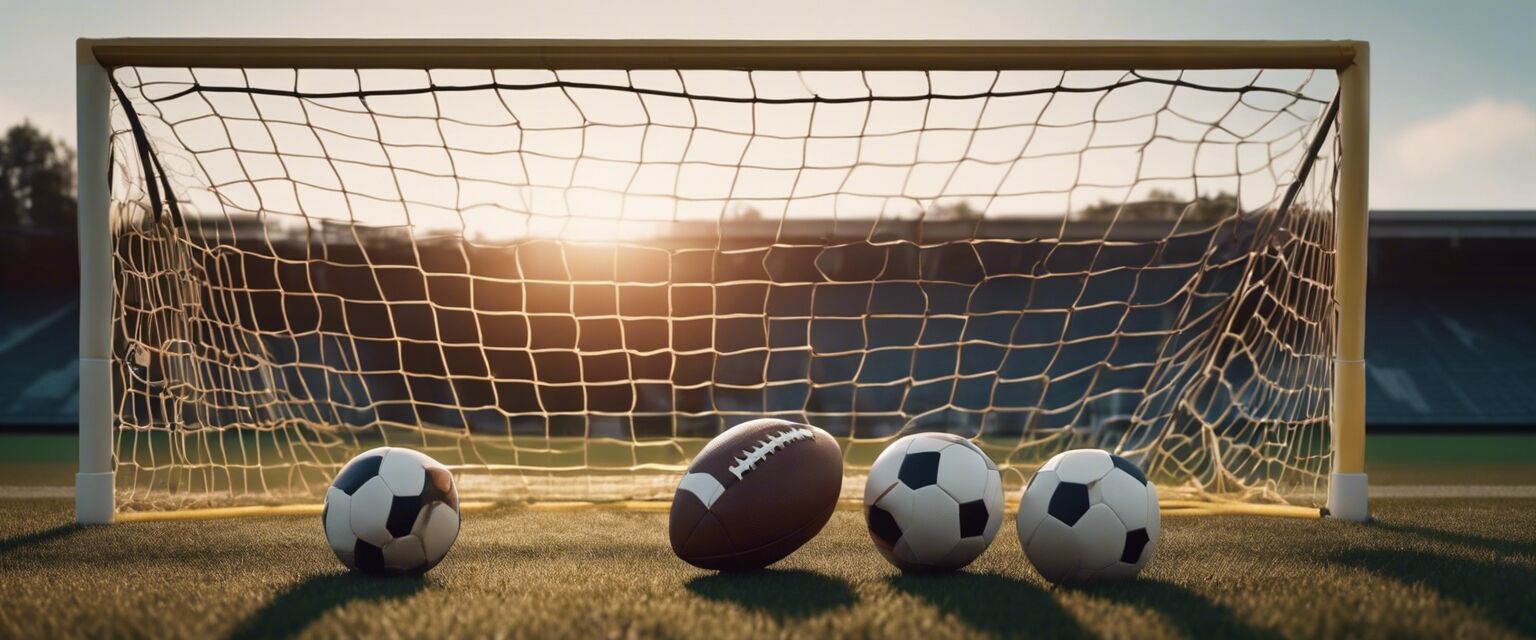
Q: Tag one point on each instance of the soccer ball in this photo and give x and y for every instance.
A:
(392, 510)
(1088, 516)
(933, 502)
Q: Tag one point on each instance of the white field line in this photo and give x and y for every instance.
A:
(1454, 491)
(34, 493)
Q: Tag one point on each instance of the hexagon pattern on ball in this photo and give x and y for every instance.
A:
(933, 502)
(1088, 515)
(391, 510)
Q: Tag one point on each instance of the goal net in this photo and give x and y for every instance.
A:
(562, 282)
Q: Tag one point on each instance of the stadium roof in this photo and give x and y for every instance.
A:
(1453, 223)
(1385, 223)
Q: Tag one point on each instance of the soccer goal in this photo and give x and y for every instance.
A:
(559, 267)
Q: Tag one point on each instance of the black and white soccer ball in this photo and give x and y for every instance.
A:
(933, 502)
(392, 510)
(1088, 516)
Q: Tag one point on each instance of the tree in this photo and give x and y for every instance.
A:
(37, 211)
(960, 210)
(37, 180)
(745, 212)
(1162, 204)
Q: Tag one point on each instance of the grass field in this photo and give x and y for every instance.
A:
(1438, 567)
(1427, 568)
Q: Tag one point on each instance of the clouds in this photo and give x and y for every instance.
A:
(1481, 154)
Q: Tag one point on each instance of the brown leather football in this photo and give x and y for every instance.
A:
(754, 494)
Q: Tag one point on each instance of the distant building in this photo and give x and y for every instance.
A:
(1451, 343)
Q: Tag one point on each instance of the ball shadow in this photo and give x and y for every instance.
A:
(781, 593)
(291, 611)
(994, 605)
(1502, 590)
(1194, 615)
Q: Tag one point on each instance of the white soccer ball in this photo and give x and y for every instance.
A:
(392, 510)
(933, 502)
(1088, 516)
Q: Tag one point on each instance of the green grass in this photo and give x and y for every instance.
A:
(1429, 568)
(38, 459)
(1431, 459)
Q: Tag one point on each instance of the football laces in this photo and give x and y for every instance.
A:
(750, 458)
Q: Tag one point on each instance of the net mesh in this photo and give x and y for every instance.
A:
(562, 283)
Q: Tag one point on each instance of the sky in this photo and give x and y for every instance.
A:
(1453, 94)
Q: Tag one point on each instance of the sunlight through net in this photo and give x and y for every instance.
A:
(561, 283)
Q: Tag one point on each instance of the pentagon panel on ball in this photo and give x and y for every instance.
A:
(755, 494)
(1088, 515)
(933, 502)
(392, 510)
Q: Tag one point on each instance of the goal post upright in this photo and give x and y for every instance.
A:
(94, 483)
(1347, 486)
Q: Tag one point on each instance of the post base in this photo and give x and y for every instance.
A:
(1347, 499)
(94, 502)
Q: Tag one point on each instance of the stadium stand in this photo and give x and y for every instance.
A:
(1451, 343)
(1450, 339)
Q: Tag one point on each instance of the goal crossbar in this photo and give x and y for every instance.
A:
(808, 55)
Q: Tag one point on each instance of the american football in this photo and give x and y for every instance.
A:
(754, 494)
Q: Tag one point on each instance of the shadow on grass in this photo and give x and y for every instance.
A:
(1511, 547)
(1500, 590)
(781, 593)
(291, 611)
(1193, 614)
(38, 537)
(992, 604)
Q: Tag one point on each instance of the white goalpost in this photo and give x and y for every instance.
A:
(559, 267)
(94, 484)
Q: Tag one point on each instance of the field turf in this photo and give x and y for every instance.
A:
(1427, 567)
